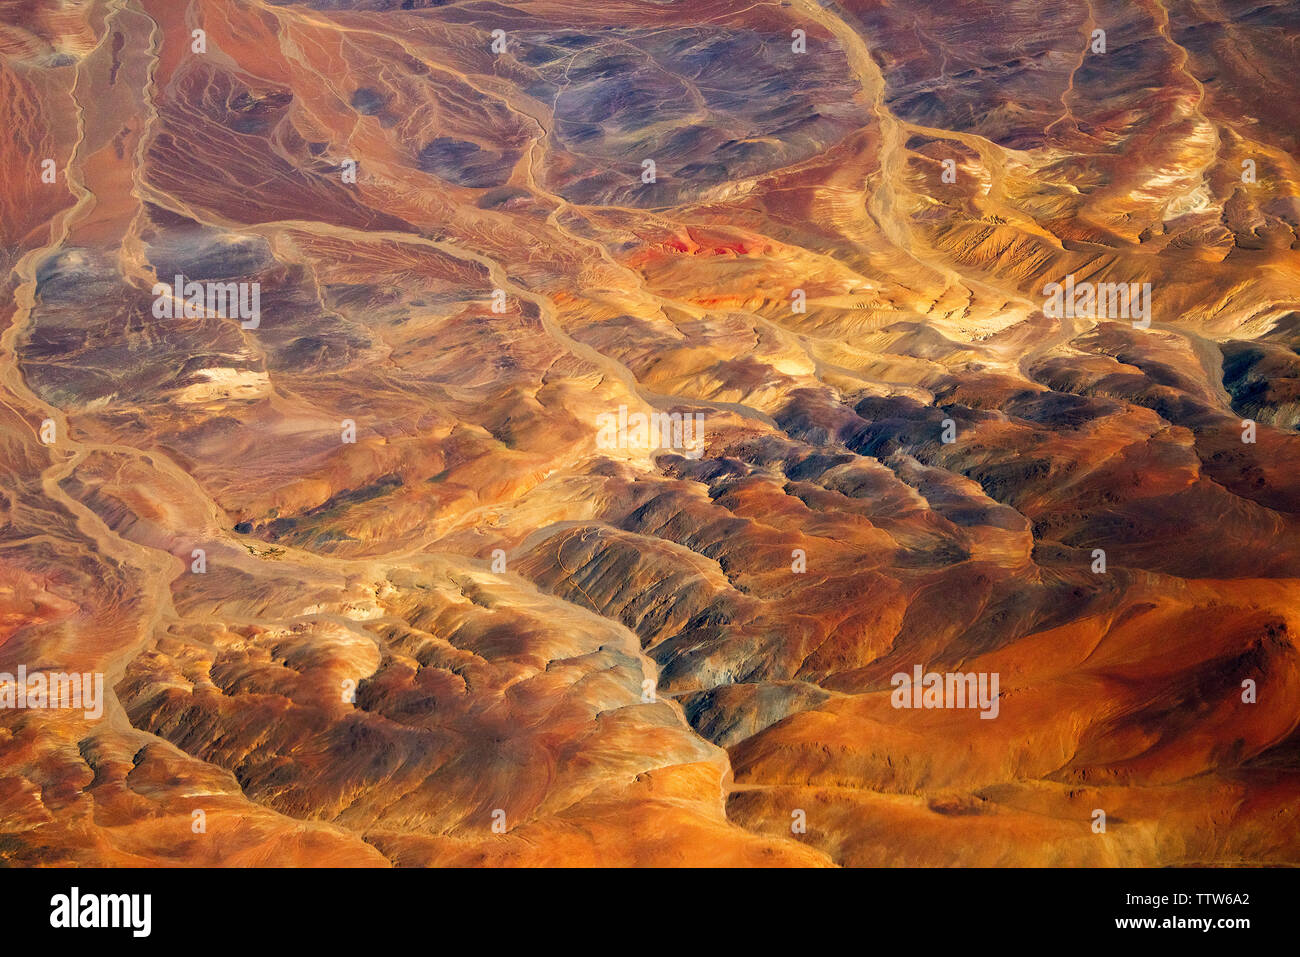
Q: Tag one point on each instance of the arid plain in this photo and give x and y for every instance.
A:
(366, 582)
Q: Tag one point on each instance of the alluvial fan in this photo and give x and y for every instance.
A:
(824, 432)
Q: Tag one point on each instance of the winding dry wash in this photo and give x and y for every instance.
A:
(564, 432)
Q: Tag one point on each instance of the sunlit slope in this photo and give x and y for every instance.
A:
(368, 583)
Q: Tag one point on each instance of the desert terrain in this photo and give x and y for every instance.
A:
(369, 586)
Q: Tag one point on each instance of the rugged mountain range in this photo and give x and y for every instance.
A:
(316, 316)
